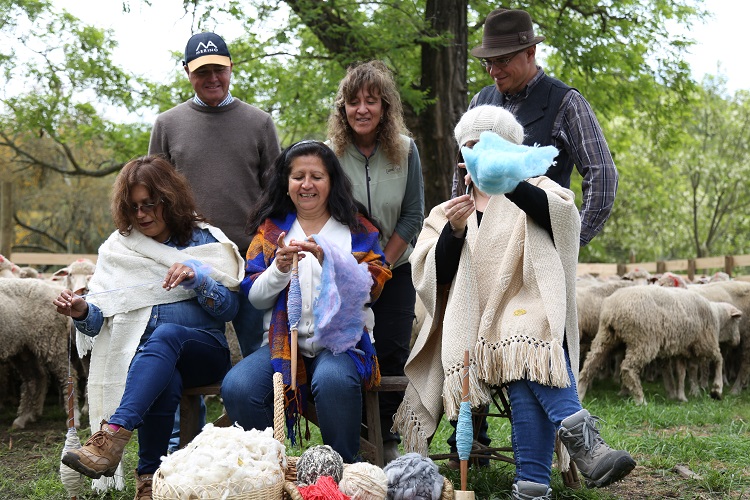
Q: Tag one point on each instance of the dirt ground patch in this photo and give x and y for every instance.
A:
(24, 452)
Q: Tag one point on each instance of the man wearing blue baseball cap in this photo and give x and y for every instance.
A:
(223, 146)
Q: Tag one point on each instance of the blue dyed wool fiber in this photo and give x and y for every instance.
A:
(340, 308)
(464, 431)
(497, 165)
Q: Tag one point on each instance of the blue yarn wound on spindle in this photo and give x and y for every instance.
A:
(294, 301)
(464, 431)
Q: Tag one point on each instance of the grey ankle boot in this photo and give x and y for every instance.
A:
(599, 464)
(526, 490)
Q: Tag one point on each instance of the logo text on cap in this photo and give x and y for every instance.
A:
(206, 47)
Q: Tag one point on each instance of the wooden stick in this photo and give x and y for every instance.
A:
(295, 334)
(463, 493)
(71, 403)
(465, 392)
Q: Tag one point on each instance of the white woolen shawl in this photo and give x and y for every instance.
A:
(126, 261)
(510, 304)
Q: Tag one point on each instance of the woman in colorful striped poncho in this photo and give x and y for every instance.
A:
(308, 210)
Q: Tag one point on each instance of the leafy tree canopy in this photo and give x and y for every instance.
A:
(677, 144)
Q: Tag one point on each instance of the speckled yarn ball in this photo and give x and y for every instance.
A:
(364, 481)
(319, 461)
(412, 477)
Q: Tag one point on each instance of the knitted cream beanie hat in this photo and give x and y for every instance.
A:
(488, 118)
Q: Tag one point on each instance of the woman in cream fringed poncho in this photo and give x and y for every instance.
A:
(165, 285)
(509, 260)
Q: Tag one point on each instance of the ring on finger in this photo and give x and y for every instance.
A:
(184, 273)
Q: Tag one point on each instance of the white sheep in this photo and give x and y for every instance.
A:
(28, 272)
(671, 280)
(589, 303)
(638, 276)
(656, 322)
(75, 276)
(736, 293)
(36, 339)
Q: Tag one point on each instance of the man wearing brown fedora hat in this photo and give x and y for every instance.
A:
(551, 112)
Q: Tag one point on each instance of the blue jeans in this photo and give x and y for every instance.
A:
(172, 357)
(248, 325)
(335, 386)
(537, 411)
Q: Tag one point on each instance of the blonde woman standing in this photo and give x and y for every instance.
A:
(366, 131)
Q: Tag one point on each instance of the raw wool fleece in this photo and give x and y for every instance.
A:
(344, 293)
(126, 261)
(514, 319)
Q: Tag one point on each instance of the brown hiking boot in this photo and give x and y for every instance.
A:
(143, 486)
(101, 453)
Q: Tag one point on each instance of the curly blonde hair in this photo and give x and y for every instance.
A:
(375, 77)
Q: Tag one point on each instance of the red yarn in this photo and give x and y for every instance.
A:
(325, 488)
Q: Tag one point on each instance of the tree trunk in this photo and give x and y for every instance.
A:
(444, 82)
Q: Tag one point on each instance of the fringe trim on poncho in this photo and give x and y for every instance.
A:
(479, 392)
(522, 357)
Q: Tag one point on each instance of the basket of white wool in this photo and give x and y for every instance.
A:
(226, 463)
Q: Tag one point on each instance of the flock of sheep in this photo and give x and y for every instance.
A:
(629, 326)
(631, 323)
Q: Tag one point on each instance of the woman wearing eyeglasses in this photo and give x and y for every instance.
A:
(366, 130)
(165, 285)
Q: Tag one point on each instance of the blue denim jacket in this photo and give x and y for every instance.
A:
(193, 313)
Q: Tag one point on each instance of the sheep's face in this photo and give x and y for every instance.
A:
(729, 328)
(76, 276)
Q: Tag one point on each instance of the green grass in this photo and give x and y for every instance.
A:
(710, 438)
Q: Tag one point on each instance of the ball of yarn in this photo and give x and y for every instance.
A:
(325, 488)
(319, 461)
(413, 476)
(364, 481)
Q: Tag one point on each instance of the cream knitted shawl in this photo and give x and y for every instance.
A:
(510, 304)
(128, 261)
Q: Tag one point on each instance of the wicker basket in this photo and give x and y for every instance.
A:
(165, 491)
(273, 488)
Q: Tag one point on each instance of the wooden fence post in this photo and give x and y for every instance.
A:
(691, 269)
(621, 269)
(728, 264)
(661, 267)
(6, 219)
